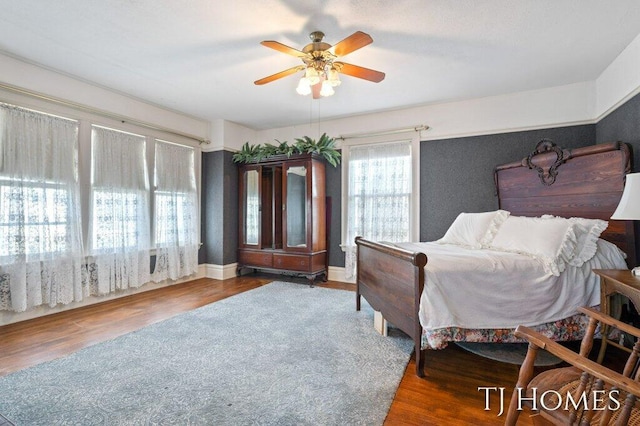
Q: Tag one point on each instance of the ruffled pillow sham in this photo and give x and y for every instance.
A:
(556, 241)
(588, 232)
(551, 240)
(474, 230)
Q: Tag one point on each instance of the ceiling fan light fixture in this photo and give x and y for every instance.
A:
(312, 75)
(304, 87)
(321, 68)
(326, 89)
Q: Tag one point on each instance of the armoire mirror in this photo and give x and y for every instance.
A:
(251, 207)
(296, 205)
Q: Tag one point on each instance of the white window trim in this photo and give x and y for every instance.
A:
(414, 230)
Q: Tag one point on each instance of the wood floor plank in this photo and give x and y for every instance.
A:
(448, 395)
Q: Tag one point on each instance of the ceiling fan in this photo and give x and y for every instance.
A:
(321, 69)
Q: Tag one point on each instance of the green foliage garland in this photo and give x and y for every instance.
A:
(324, 146)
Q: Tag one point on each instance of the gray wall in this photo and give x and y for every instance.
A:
(456, 175)
(219, 214)
(623, 125)
(334, 226)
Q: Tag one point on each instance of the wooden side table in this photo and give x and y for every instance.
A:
(614, 281)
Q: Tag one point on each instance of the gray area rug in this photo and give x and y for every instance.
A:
(282, 354)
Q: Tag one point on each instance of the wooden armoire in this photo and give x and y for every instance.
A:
(282, 216)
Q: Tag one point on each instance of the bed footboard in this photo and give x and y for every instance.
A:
(391, 280)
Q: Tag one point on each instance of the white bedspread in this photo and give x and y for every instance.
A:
(491, 289)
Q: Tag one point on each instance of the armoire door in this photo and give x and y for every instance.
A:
(250, 206)
(296, 206)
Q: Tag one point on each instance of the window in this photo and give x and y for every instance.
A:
(114, 219)
(379, 198)
(41, 256)
(34, 218)
(170, 208)
(119, 238)
(175, 211)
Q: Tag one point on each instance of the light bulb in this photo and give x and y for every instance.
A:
(312, 75)
(304, 88)
(334, 78)
(327, 89)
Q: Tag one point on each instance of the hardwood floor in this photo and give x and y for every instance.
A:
(448, 395)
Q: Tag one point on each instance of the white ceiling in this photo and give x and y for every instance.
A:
(201, 57)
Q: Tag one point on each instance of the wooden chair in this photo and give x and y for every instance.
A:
(585, 392)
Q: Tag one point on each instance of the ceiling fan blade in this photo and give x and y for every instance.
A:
(281, 74)
(283, 48)
(360, 72)
(354, 42)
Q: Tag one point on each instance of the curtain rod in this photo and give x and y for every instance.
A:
(387, 132)
(101, 112)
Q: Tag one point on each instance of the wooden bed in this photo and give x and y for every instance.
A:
(585, 182)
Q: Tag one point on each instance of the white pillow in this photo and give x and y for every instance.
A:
(474, 230)
(551, 240)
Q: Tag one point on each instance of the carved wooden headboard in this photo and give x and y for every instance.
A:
(585, 182)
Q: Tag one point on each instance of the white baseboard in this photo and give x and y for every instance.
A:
(337, 273)
(221, 272)
(225, 272)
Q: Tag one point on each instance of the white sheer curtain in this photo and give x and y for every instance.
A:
(176, 212)
(41, 256)
(119, 230)
(378, 197)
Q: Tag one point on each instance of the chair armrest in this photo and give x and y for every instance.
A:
(612, 377)
(604, 318)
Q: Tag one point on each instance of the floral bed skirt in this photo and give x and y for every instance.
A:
(571, 328)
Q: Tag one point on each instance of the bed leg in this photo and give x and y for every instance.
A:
(380, 324)
(357, 301)
(419, 361)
